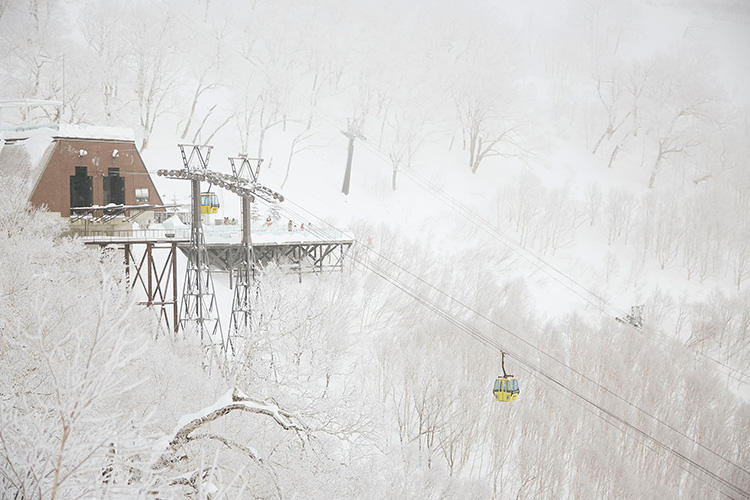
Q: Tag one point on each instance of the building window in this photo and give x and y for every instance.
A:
(141, 195)
(114, 187)
(81, 189)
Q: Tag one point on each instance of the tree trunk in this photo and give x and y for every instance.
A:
(382, 130)
(472, 150)
(216, 130)
(348, 171)
(261, 136)
(196, 96)
(654, 170)
(288, 164)
(476, 156)
(613, 156)
(601, 138)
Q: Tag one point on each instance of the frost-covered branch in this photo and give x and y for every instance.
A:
(233, 400)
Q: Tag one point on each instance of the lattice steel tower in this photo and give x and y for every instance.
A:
(245, 176)
(198, 299)
(198, 307)
(241, 317)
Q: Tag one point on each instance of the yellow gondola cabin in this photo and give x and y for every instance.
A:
(209, 203)
(506, 386)
(506, 389)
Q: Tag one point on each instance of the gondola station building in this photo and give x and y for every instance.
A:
(71, 167)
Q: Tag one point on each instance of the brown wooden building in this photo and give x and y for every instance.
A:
(79, 167)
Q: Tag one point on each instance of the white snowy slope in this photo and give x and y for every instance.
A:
(566, 183)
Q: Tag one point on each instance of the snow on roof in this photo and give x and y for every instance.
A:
(26, 157)
(71, 131)
(173, 222)
(67, 130)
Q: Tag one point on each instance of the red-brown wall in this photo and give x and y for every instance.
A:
(53, 187)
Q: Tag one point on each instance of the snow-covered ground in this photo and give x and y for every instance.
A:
(554, 165)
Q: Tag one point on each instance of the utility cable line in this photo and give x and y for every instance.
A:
(520, 338)
(471, 331)
(558, 275)
(603, 413)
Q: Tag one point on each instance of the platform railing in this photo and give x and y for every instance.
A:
(134, 234)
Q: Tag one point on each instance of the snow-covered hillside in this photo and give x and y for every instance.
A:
(522, 175)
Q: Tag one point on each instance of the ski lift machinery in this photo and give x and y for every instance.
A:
(506, 385)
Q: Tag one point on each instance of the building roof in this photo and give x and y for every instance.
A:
(26, 151)
(26, 157)
(71, 131)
